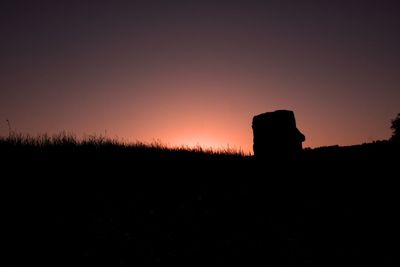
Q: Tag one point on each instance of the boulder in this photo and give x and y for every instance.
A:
(275, 135)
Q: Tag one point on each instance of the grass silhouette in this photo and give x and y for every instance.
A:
(68, 140)
(103, 202)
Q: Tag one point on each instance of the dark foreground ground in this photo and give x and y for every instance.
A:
(104, 206)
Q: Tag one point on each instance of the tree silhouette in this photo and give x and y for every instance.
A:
(396, 129)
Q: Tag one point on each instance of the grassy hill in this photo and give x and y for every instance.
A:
(101, 202)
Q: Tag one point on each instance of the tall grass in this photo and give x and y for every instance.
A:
(66, 139)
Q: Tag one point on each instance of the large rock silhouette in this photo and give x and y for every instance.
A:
(276, 136)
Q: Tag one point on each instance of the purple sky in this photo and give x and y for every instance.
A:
(187, 72)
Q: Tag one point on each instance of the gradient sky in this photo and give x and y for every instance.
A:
(187, 72)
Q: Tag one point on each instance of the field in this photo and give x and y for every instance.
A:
(98, 202)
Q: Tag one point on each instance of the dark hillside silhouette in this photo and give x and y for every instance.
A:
(102, 203)
(276, 136)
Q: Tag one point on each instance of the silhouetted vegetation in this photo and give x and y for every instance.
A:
(396, 129)
(97, 201)
(65, 140)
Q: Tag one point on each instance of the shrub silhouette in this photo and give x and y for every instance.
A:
(396, 129)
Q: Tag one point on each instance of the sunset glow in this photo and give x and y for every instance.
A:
(196, 73)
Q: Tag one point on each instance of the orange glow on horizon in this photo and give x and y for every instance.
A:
(205, 142)
(196, 75)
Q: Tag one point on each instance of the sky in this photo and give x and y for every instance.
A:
(196, 72)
